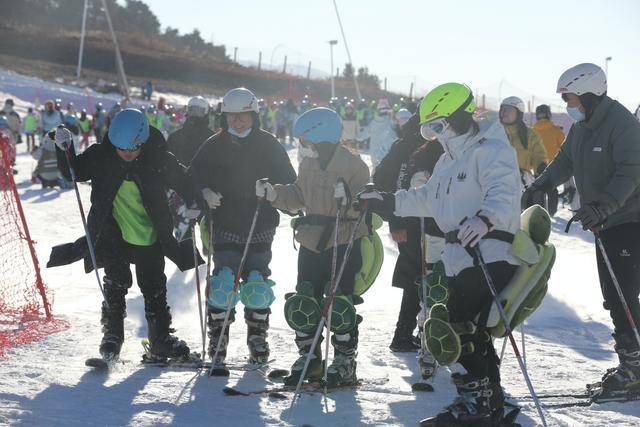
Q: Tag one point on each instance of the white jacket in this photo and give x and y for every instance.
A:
(476, 174)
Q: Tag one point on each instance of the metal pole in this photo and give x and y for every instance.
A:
(124, 85)
(284, 66)
(197, 274)
(346, 46)
(235, 54)
(333, 86)
(82, 31)
(309, 71)
(260, 60)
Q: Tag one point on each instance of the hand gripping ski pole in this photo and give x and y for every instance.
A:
(92, 253)
(197, 274)
(341, 202)
(614, 279)
(326, 309)
(235, 283)
(507, 326)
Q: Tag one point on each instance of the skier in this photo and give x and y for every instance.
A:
(381, 132)
(185, 142)
(393, 174)
(31, 125)
(130, 223)
(532, 156)
(349, 126)
(552, 138)
(13, 119)
(84, 125)
(46, 171)
(473, 196)
(99, 122)
(601, 153)
(328, 170)
(225, 170)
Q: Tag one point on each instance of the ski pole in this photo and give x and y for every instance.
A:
(504, 347)
(616, 284)
(614, 279)
(509, 331)
(423, 282)
(334, 263)
(327, 305)
(92, 253)
(235, 283)
(198, 292)
(524, 349)
(208, 276)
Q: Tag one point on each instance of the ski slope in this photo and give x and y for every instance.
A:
(568, 344)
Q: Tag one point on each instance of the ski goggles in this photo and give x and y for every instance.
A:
(432, 130)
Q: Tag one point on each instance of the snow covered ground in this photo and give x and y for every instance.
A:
(46, 383)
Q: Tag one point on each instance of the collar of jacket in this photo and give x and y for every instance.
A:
(456, 147)
(544, 124)
(599, 114)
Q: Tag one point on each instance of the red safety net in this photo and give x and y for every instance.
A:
(25, 309)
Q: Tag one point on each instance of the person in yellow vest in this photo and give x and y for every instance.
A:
(84, 123)
(31, 125)
(532, 156)
(552, 138)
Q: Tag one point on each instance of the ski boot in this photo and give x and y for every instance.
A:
(342, 370)
(163, 345)
(215, 321)
(257, 327)
(403, 340)
(479, 404)
(112, 320)
(624, 378)
(315, 368)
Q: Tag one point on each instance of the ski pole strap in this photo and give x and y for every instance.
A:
(503, 236)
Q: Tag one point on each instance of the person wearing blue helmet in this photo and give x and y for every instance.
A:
(327, 175)
(130, 223)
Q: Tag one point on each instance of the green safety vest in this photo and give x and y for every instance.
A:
(85, 125)
(131, 216)
(30, 123)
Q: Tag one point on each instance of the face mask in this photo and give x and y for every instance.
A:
(308, 152)
(576, 114)
(446, 136)
(243, 134)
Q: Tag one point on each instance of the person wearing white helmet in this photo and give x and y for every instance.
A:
(532, 156)
(602, 153)
(185, 142)
(381, 132)
(225, 170)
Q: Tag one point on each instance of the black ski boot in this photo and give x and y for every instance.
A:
(257, 327)
(403, 340)
(342, 370)
(479, 404)
(112, 319)
(215, 320)
(162, 344)
(314, 370)
(625, 376)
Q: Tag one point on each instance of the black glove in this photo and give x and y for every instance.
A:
(592, 215)
(380, 202)
(541, 167)
(532, 192)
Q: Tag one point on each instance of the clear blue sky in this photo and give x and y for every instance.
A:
(528, 44)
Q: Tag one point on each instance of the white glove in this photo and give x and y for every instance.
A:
(192, 212)
(419, 179)
(64, 138)
(266, 190)
(212, 198)
(472, 231)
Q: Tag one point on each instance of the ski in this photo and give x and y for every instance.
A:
(279, 391)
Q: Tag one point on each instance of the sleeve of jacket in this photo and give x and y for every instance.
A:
(539, 154)
(413, 202)
(200, 171)
(177, 178)
(84, 164)
(356, 183)
(499, 179)
(282, 171)
(289, 197)
(561, 167)
(626, 157)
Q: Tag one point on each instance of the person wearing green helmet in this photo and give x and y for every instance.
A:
(473, 200)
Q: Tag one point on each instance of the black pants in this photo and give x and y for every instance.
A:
(316, 268)
(622, 244)
(469, 296)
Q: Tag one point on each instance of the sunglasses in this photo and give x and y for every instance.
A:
(434, 129)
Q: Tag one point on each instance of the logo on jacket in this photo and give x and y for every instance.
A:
(625, 253)
(462, 176)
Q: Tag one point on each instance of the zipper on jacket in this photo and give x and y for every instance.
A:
(449, 185)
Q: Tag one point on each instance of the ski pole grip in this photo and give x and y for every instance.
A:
(566, 229)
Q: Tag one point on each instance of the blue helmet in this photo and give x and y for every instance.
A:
(319, 125)
(4, 124)
(129, 129)
(70, 120)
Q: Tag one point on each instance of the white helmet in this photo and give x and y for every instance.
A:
(583, 78)
(197, 106)
(514, 101)
(402, 116)
(239, 100)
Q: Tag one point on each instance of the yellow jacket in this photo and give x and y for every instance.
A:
(552, 136)
(533, 155)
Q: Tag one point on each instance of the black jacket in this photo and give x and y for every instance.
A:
(185, 142)
(154, 171)
(231, 166)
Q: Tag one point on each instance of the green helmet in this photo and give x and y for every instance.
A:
(445, 100)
